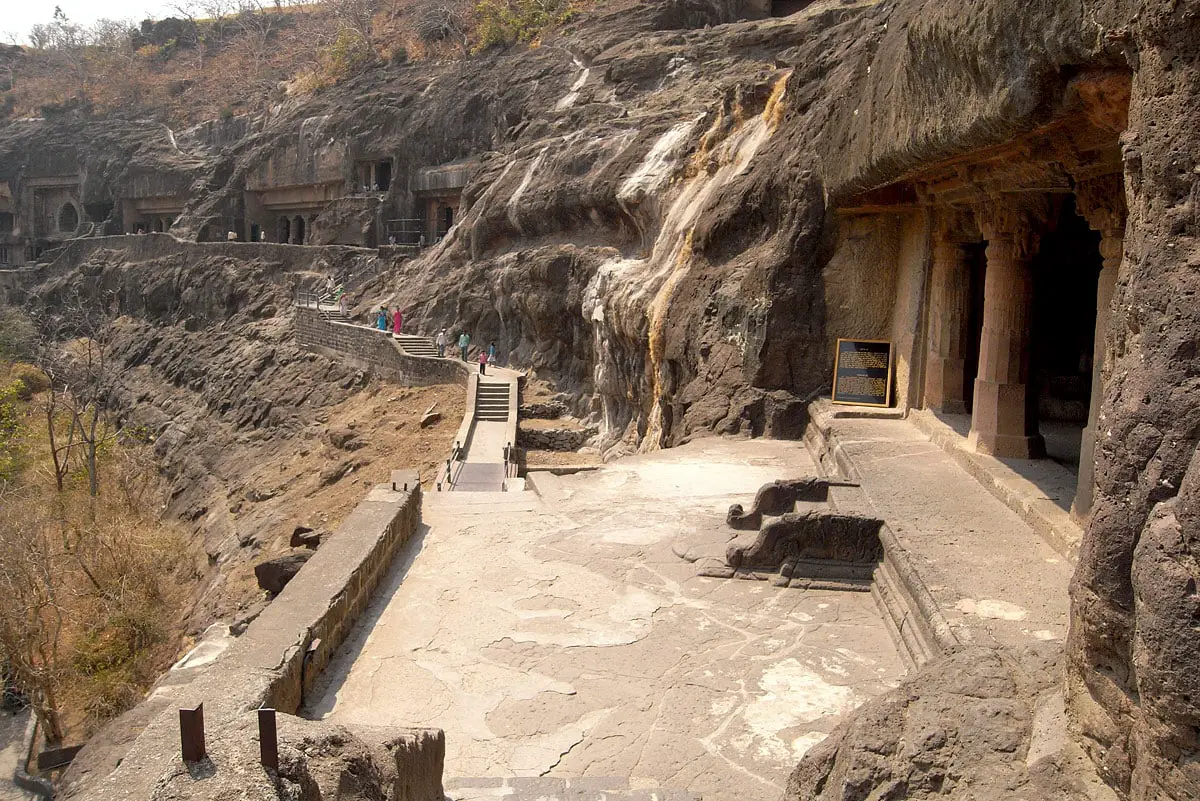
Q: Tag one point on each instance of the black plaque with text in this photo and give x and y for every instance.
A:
(862, 372)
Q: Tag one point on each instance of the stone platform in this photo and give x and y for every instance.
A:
(555, 634)
(993, 577)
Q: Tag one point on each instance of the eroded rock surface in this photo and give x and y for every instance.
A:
(979, 723)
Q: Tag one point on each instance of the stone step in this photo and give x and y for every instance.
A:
(417, 347)
(548, 788)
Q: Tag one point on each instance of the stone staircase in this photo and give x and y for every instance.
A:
(333, 314)
(549, 788)
(491, 400)
(416, 346)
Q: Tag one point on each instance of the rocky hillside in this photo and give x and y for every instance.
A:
(651, 226)
(255, 435)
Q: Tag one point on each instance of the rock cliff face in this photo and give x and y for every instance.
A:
(652, 225)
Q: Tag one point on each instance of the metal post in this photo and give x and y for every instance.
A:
(268, 739)
(191, 733)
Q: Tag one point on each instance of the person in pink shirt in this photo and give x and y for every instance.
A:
(397, 321)
(483, 359)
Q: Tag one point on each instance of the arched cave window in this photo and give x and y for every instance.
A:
(68, 218)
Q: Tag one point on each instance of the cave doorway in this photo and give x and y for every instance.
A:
(785, 8)
(298, 230)
(1062, 344)
(447, 221)
(68, 218)
(255, 233)
(158, 226)
(285, 230)
(383, 176)
(976, 258)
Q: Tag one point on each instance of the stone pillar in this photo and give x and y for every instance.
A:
(1102, 204)
(1001, 422)
(949, 306)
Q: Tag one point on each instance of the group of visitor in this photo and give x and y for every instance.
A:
(486, 355)
(385, 319)
(393, 318)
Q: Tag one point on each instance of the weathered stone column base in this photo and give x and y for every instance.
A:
(943, 385)
(998, 423)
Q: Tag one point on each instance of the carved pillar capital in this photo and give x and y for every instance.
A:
(1101, 201)
(955, 226)
(1016, 219)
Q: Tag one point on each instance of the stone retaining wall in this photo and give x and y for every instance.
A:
(374, 351)
(554, 439)
(273, 664)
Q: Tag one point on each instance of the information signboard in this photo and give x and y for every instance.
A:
(862, 372)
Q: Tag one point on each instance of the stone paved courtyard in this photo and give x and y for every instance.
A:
(555, 633)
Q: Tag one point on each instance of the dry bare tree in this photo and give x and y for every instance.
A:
(444, 21)
(75, 354)
(32, 615)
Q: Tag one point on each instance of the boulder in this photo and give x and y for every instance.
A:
(274, 574)
(344, 438)
(305, 537)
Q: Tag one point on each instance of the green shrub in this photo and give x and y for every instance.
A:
(33, 379)
(18, 337)
(11, 417)
(505, 22)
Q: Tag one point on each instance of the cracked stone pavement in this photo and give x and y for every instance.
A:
(554, 633)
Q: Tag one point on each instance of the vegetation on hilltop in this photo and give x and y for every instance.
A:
(218, 58)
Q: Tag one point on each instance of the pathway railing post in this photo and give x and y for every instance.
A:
(191, 733)
(268, 739)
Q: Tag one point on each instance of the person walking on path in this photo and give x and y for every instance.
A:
(383, 319)
(397, 321)
(491, 353)
(441, 343)
(483, 360)
(464, 342)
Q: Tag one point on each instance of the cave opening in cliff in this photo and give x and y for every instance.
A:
(285, 230)
(1066, 271)
(68, 219)
(785, 8)
(975, 254)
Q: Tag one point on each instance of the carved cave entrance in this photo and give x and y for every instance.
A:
(1026, 242)
(1066, 273)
